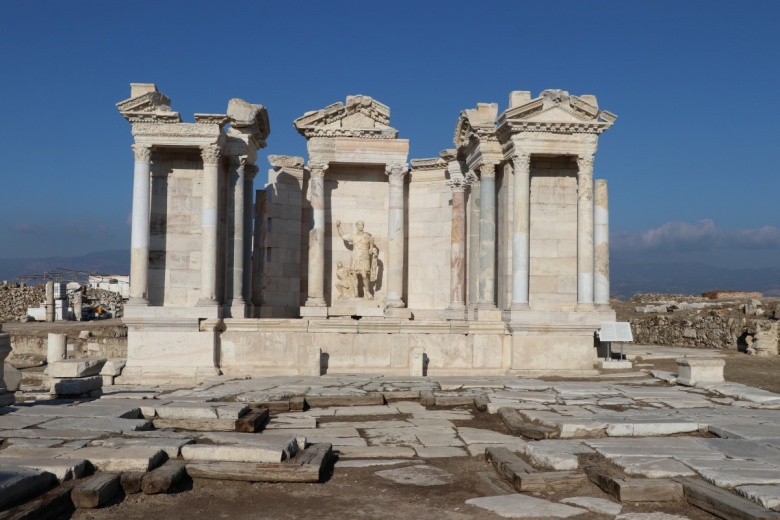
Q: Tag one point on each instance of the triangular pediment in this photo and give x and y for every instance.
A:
(358, 117)
(558, 106)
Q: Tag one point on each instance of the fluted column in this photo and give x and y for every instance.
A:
(458, 183)
(473, 261)
(585, 232)
(316, 284)
(601, 244)
(395, 235)
(487, 237)
(250, 171)
(139, 234)
(235, 296)
(520, 230)
(208, 225)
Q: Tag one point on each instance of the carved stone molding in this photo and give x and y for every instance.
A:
(459, 184)
(210, 153)
(143, 152)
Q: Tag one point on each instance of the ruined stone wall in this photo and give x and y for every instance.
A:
(739, 325)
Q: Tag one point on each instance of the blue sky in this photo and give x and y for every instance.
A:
(692, 161)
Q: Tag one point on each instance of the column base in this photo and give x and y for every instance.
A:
(236, 309)
(207, 302)
(455, 312)
(314, 312)
(395, 304)
(522, 306)
(603, 307)
(315, 302)
(137, 302)
(487, 312)
(584, 307)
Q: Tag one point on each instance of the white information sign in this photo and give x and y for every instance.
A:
(616, 331)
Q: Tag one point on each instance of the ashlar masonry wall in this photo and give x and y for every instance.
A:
(429, 222)
(553, 279)
(175, 248)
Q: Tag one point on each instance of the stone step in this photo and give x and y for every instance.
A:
(52, 505)
(161, 479)
(19, 484)
(722, 503)
(95, 491)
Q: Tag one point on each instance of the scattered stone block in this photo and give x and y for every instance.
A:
(113, 367)
(75, 386)
(96, 424)
(70, 368)
(161, 479)
(694, 371)
(253, 421)
(507, 464)
(638, 490)
(721, 503)
(427, 398)
(95, 491)
(12, 377)
(524, 506)
(19, 484)
(481, 402)
(454, 400)
(131, 482)
(171, 447)
(375, 452)
(767, 496)
(309, 467)
(297, 403)
(52, 505)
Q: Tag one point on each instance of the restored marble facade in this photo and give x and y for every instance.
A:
(491, 258)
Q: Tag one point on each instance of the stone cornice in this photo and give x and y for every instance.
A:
(361, 116)
(432, 163)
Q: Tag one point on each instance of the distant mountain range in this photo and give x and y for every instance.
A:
(100, 262)
(627, 279)
(690, 278)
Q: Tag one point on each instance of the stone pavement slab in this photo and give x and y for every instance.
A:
(367, 463)
(14, 421)
(595, 505)
(119, 460)
(653, 467)
(375, 452)
(103, 424)
(767, 496)
(437, 452)
(62, 434)
(171, 447)
(650, 516)
(524, 506)
(417, 475)
(559, 455)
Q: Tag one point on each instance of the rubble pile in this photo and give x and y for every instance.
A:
(16, 297)
(665, 298)
(101, 298)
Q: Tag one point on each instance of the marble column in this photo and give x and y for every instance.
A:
(521, 184)
(139, 234)
(585, 232)
(208, 225)
(235, 270)
(458, 185)
(601, 244)
(396, 174)
(250, 171)
(487, 237)
(316, 284)
(473, 260)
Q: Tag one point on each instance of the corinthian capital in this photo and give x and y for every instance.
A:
(521, 161)
(210, 153)
(487, 169)
(585, 164)
(396, 172)
(318, 169)
(143, 152)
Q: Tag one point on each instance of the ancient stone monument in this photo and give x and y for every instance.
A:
(491, 258)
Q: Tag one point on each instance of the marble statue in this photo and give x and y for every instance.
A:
(344, 283)
(363, 263)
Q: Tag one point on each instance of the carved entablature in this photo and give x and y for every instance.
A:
(476, 125)
(147, 105)
(249, 120)
(433, 163)
(554, 111)
(361, 116)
